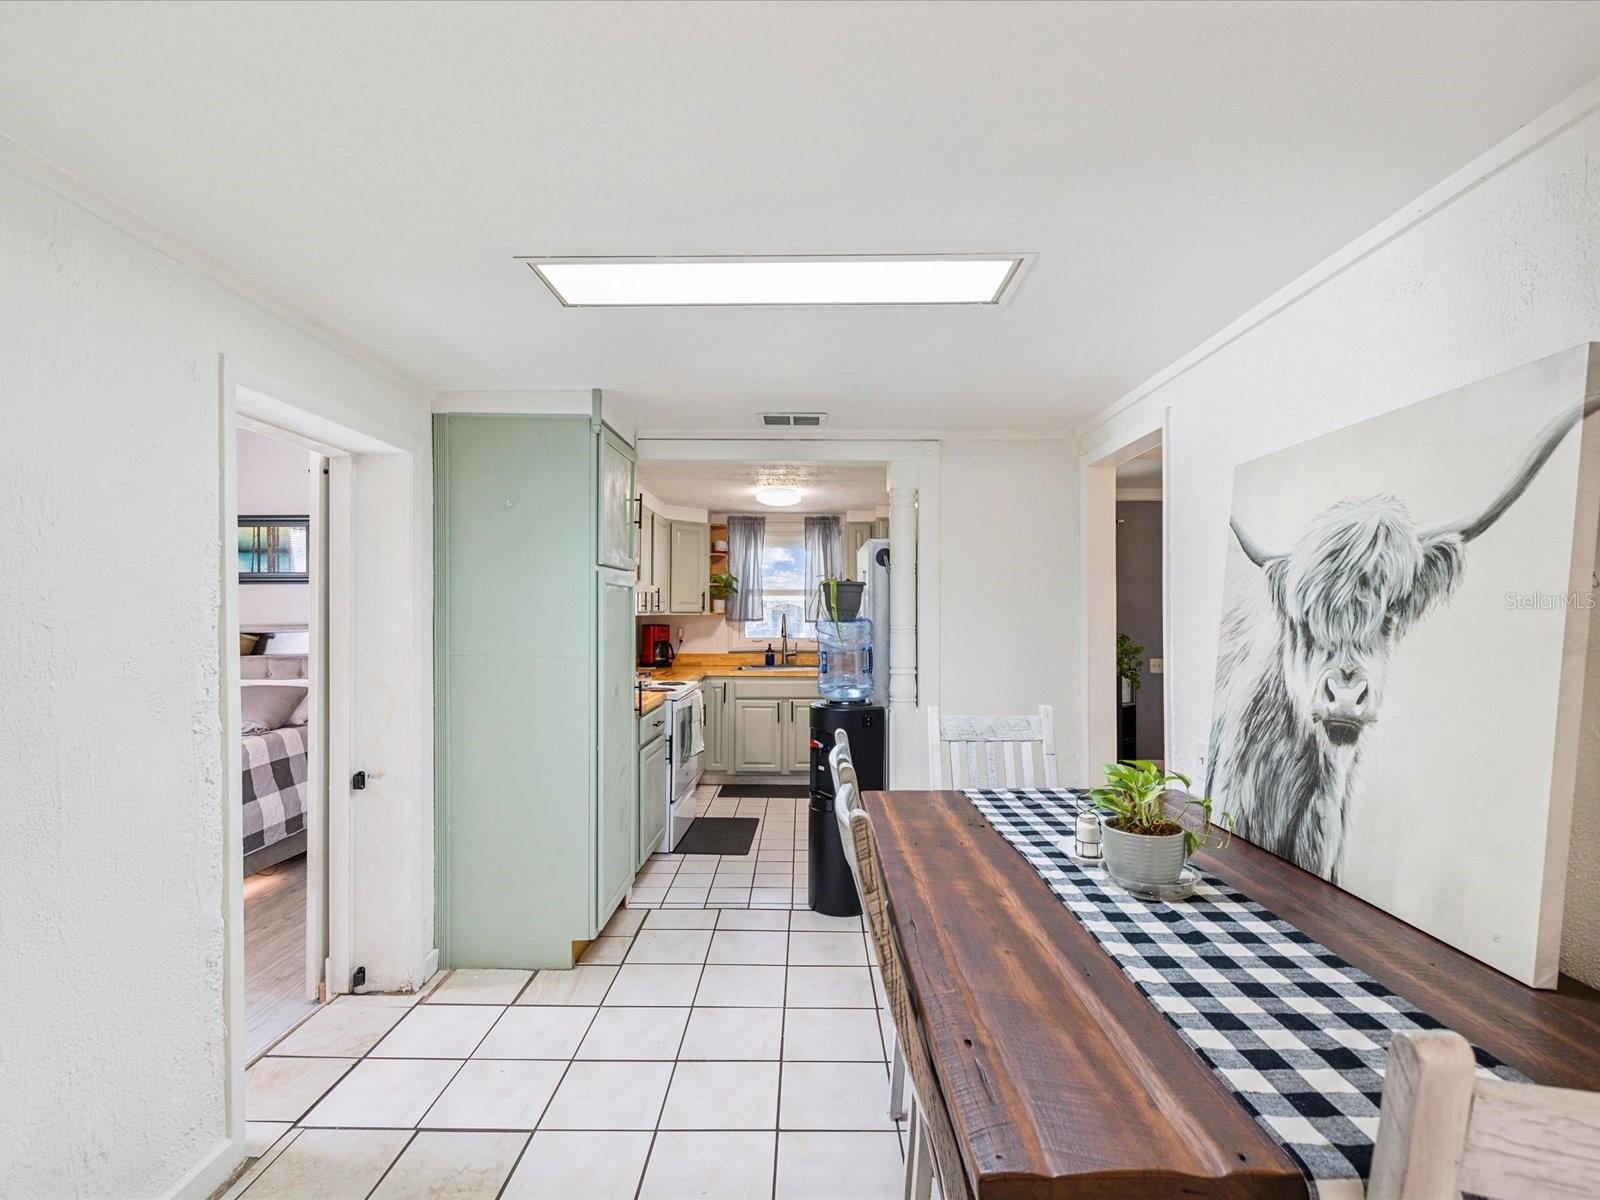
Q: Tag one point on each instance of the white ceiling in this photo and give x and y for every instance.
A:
(379, 167)
(730, 487)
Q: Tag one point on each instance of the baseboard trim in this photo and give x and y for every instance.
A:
(430, 967)
(211, 1174)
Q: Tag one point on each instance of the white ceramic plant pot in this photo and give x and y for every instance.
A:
(718, 606)
(1142, 858)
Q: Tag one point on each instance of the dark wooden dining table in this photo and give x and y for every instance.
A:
(1063, 1081)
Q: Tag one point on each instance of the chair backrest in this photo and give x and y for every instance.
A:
(992, 752)
(856, 828)
(846, 805)
(1445, 1130)
(840, 762)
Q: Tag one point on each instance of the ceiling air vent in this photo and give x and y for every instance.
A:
(793, 420)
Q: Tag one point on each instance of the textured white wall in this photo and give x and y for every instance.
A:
(274, 480)
(1008, 551)
(111, 867)
(1503, 275)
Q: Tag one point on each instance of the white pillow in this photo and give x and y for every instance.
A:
(266, 707)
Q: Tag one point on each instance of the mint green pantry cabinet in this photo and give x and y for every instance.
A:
(536, 754)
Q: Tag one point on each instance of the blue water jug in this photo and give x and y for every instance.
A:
(844, 659)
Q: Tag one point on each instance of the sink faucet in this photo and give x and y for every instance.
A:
(783, 632)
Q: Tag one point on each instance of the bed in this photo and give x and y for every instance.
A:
(274, 764)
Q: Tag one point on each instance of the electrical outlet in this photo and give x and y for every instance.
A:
(1155, 666)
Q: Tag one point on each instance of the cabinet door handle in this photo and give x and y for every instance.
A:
(702, 602)
(638, 521)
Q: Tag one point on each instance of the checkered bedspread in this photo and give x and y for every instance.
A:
(1294, 1031)
(274, 765)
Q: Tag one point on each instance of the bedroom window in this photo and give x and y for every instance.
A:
(274, 549)
(783, 584)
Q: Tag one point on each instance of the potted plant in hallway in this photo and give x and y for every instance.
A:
(723, 585)
(1129, 670)
(1146, 845)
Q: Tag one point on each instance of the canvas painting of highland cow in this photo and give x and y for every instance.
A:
(1400, 666)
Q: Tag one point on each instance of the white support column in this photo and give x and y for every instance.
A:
(903, 479)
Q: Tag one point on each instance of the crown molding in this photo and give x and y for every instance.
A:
(32, 165)
(1543, 128)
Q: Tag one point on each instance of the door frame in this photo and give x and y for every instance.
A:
(1097, 589)
(252, 398)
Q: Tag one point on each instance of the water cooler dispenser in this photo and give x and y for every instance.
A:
(831, 890)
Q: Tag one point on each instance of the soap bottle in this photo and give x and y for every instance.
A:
(771, 659)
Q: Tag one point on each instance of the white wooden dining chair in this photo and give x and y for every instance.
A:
(1445, 1130)
(843, 769)
(992, 752)
(931, 1143)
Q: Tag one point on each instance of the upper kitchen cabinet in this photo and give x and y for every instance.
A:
(660, 561)
(856, 534)
(619, 507)
(690, 570)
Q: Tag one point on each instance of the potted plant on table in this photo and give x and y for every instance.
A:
(723, 585)
(1145, 843)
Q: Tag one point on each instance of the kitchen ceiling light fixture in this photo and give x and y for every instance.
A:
(778, 497)
(838, 279)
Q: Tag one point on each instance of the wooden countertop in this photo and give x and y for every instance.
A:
(1061, 1078)
(692, 668)
(696, 668)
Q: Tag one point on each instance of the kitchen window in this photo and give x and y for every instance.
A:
(783, 584)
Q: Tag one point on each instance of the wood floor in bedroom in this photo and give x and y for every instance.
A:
(274, 953)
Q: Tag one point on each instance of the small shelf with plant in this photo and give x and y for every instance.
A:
(722, 585)
(1147, 838)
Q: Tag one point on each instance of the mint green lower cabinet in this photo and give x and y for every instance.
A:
(652, 797)
(771, 727)
(758, 736)
(719, 727)
(797, 736)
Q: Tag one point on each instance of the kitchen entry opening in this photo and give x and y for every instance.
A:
(730, 571)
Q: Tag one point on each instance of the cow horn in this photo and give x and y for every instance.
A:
(1250, 546)
(1539, 452)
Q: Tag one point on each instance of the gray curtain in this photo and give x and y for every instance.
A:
(824, 558)
(747, 537)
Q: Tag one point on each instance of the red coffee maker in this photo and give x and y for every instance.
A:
(655, 646)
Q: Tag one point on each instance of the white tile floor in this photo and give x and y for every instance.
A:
(720, 1041)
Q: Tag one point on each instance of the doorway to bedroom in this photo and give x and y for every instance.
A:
(281, 492)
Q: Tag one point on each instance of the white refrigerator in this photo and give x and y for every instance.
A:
(872, 568)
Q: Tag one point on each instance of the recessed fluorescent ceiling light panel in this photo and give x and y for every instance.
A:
(927, 279)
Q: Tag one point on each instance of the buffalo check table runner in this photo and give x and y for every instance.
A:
(1297, 1034)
